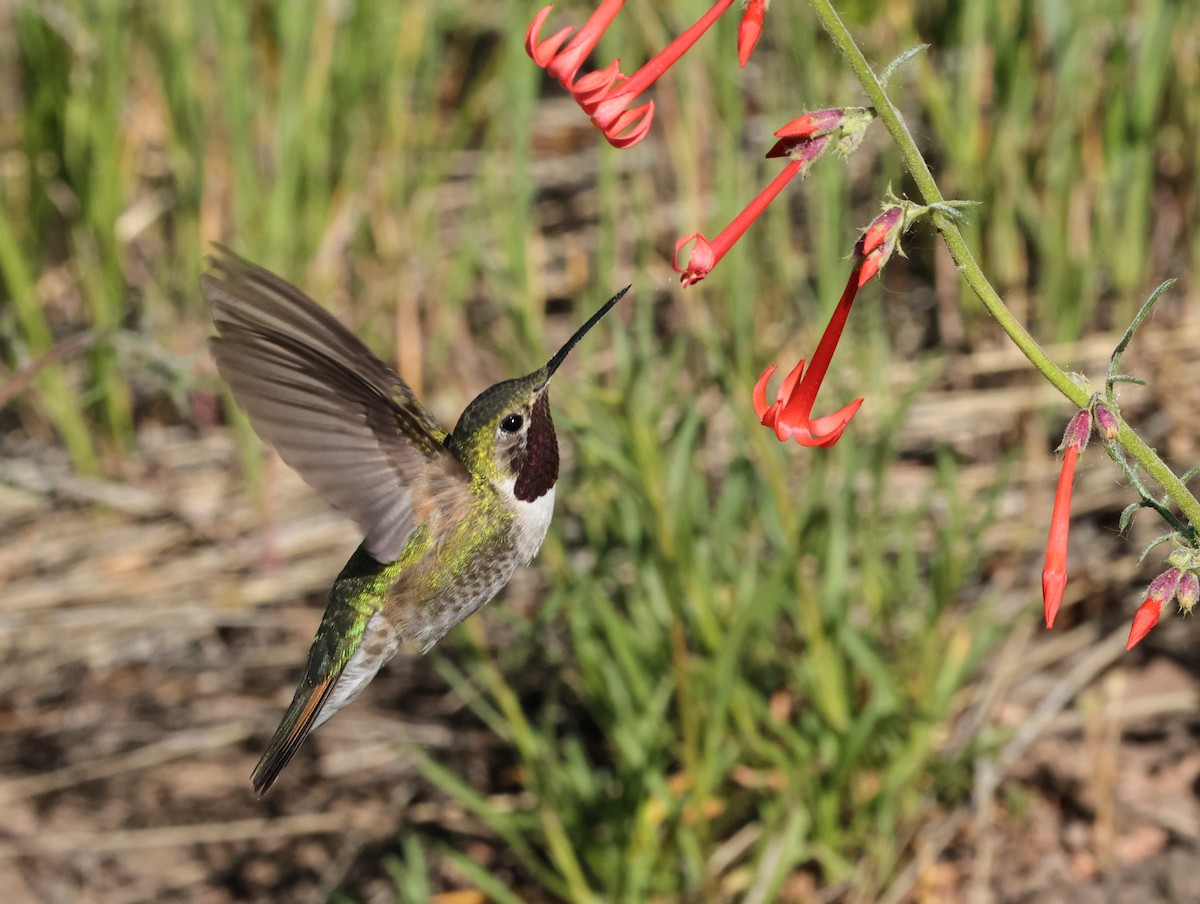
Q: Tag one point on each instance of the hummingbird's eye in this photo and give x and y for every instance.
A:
(512, 423)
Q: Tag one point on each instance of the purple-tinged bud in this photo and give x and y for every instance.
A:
(1163, 587)
(852, 122)
(1078, 431)
(1188, 591)
(813, 125)
(879, 240)
(1106, 421)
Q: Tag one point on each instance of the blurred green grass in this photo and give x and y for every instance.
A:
(756, 648)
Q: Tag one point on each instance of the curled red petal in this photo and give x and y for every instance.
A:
(700, 262)
(542, 52)
(612, 106)
(1143, 620)
(788, 386)
(759, 396)
(568, 60)
(622, 127)
(628, 139)
(823, 432)
(588, 90)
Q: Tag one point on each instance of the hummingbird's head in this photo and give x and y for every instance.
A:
(507, 433)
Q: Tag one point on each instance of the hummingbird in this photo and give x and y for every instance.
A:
(446, 517)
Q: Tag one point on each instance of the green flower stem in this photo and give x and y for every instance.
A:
(965, 261)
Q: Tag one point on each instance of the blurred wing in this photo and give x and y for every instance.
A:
(339, 416)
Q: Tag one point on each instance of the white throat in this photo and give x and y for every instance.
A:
(532, 522)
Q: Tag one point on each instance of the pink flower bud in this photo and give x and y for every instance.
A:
(1163, 587)
(1106, 421)
(812, 125)
(1078, 431)
(1188, 591)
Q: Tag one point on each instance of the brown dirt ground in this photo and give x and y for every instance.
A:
(151, 629)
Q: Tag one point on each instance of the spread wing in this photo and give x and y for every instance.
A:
(339, 416)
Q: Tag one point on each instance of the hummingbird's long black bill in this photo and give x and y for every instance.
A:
(561, 354)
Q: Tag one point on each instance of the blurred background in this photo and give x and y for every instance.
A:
(739, 670)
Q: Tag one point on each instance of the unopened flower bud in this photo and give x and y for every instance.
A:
(879, 241)
(1078, 431)
(1106, 421)
(1188, 591)
(1163, 587)
(1143, 620)
(807, 137)
(750, 29)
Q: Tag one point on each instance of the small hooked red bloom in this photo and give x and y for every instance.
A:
(1054, 572)
(606, 94)
(750, 29)
(705, 254)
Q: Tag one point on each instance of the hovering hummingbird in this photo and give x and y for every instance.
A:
(446, 517)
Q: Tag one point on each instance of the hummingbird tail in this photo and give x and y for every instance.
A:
(301, 718)
(351, 644)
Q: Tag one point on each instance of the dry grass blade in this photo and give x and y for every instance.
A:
(179, 745)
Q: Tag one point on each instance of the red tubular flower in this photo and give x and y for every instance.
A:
(705, 254)
(1054, 572)
(791, 415)
(750, 29)
(606, 95)
(563, 63)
